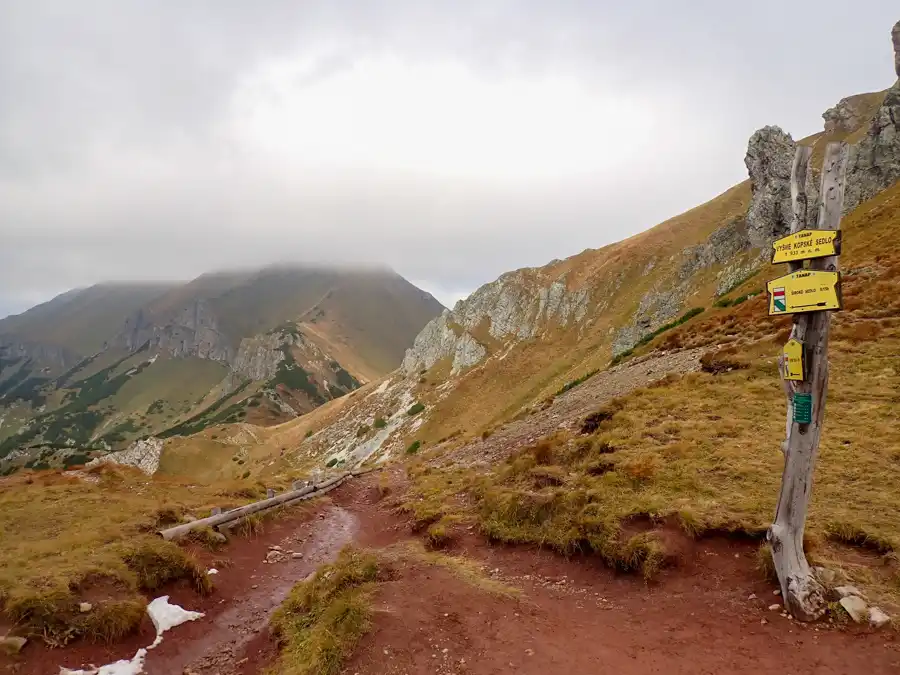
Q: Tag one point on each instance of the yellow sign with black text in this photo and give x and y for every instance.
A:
(805, 245)
(804, 291)
(792, 368)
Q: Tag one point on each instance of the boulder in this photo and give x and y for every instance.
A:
(846, 591)
(85, 607)
(877, 617)
(856, 607)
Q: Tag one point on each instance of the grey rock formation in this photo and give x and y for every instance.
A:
(193, 331)
(41, 355)
(667, 300)
(258, 357)
(874, 163)
(143, 454)
(845, 117)
(895, 34)
(770, 154)
(517, 306)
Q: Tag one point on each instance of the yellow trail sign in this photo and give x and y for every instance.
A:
(793, 360)
(804, 291)
(806, 244)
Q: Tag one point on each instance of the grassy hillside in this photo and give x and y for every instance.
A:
(82, 320)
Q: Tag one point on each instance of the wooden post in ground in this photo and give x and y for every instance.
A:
(803, 595)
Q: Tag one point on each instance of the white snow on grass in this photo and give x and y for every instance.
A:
(164, 616)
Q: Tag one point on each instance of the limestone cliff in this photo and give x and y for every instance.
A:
(191, 331)
(517, 306)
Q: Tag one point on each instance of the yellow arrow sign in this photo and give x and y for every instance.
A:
(804, 291)
(793, 360)
(806, 244)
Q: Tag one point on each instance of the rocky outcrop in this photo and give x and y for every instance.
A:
(668, 299)
(40, 355)
(258, 357)
(874, 163)
(770, 154)
(143, 454)
(846, 117)
(895, 34)
(193, 331)
(517, 306)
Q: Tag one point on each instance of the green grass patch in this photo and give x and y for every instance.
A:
(324, 618)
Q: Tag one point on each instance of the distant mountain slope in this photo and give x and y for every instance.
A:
(80, 321)
(97, 367)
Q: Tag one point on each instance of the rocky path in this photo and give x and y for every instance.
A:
(569, 409)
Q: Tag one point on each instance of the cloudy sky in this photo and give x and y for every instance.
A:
(451, 140)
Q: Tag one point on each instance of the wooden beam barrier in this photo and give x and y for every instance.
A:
(174, 533)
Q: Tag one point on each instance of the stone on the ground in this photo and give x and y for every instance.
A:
(12, 645)
(752, 596)
(85, 607)
(275, 548)
(274, 556)
(774, 608)
(856, 607)
(219, 538)
(296, 555)
(877, 617)
(845, 591)
(188, 518)
(826, 576)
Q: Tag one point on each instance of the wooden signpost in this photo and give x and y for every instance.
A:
(809, 293)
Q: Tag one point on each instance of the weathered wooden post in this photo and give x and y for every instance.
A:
(809, 293)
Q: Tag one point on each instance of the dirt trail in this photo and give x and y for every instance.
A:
(247, 591)
(572, 615)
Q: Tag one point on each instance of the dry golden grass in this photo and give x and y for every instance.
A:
(322, 619)
(63, 540)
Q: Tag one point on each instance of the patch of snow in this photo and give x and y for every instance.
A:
(153, 359)
(164, 616)
(134, 666)
(212, 570)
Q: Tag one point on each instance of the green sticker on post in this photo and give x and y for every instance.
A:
(803, 408)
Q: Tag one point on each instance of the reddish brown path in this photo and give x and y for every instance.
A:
(573, 616)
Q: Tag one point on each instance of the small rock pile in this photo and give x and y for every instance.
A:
(277, 554)
(856, 604)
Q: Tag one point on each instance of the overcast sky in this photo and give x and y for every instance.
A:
(450, 140)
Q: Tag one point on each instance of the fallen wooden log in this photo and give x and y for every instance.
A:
(308, 492)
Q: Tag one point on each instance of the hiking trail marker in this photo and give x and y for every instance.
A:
(806, 245)
(792, 360)
(804, 291)
(809, 292)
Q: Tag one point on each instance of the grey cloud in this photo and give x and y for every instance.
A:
(112, 164)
